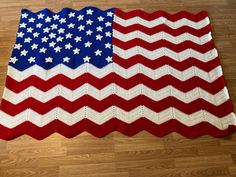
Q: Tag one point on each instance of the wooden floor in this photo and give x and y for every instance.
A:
(117, 155)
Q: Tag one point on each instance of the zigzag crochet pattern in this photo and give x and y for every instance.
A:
(102, 71)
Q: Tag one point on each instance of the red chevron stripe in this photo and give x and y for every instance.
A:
(163, 43)
(162, 28)
(165, 60)
(112, 125)
(151, 16)
(99, 106)
(73, 84)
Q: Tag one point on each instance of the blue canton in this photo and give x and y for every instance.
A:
(70, 37)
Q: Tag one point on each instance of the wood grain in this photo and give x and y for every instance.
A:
(142, 155)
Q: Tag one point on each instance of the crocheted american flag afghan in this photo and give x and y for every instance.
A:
(101, 71)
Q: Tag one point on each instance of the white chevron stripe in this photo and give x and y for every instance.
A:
(163, 51)
(162, 20)
(114, 68)
(162, 35)
(111, 89)
(128, 117)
